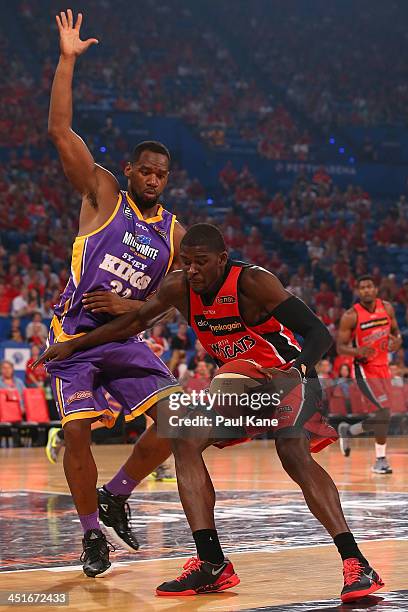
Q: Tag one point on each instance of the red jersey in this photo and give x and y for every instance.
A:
(225, 336)
(373, 329)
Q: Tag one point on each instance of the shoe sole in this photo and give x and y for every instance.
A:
(114, 536)
(227, 584)
(360, 594)
(344, 444)
(102, 574)
(48, 453)
(379, 472)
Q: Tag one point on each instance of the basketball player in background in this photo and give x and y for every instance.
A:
(242, 311)
(368, 332)
(126, 245)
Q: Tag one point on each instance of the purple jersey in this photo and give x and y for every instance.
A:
(128, 255)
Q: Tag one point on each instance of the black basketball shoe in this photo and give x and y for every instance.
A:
(95, 556)
(200, 577)
(359, 580)
(114, 512)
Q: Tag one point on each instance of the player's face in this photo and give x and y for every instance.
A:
(202, 267)
(367, 292)
(147, 178)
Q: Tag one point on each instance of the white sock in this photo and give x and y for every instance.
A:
(380, 450)
(356, 429)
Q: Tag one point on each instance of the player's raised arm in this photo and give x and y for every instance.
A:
(269, 294)
(171, 294)
(79, 166)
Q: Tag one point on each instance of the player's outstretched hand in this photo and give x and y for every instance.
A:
(109, 302)
(56, 352)
(70, 43)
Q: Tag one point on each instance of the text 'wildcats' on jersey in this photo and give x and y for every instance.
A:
(373, 329)
(225, 336)
(128, 255)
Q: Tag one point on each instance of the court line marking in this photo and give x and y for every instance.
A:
(156, 491)
(74, 568)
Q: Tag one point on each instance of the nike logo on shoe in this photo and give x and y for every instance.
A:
(218, 571)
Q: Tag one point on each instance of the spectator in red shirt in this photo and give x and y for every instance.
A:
(325, 296)
(5, 301)
(200, 380)
(35, 377)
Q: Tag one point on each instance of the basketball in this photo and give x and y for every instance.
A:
(233, 380)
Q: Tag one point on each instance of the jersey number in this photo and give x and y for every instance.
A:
(117, 287)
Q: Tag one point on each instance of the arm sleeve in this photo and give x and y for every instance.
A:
(296, 316)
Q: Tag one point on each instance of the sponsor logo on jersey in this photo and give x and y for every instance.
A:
(220, 327)
(125, 271)
(140, 244)
(226, 299)
(161, 232)
(142, 227)
(141, 239)
(78, 395)
(231, 350)
(127, 211)
(374, 323)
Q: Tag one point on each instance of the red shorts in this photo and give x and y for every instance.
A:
(375, 384)
(301, 403)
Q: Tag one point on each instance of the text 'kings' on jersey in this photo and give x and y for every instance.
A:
(127, 254)
(225, 336)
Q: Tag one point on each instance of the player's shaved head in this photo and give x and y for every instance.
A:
(205, 235)
(150, 145)
(203, 256)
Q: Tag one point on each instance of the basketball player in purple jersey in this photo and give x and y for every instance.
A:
(127, 242)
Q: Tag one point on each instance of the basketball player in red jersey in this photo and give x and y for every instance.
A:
(368, 331)
(242, 310)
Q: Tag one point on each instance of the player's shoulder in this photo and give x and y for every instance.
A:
(251, 272)
(175, 281)
(105, 176)
(388, 306)
(350, 315)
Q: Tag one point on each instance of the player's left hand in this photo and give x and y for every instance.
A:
(394, 343)
(56, 352)
(109, 302)
(281, 382)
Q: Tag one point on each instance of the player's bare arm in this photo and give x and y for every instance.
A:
(264, 294)
(171, 294)
(395, 336)
(347, 325)
(179, 232)
(98, 187)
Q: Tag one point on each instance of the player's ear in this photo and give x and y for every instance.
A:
(128, 169)
(223, 257)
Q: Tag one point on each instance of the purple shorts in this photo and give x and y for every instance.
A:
(132, 374)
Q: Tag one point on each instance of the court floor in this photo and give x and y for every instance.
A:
(284, 558)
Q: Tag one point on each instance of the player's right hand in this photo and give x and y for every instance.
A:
(70, 43)
(365, 352)
(56, 352)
